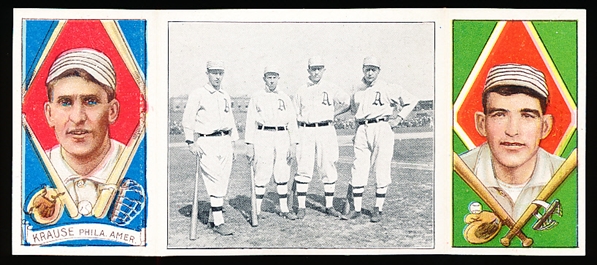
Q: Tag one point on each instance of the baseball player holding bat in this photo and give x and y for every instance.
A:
(373, 104)
(271, 139)
(210, 132)
(317, 104)
(511, 164)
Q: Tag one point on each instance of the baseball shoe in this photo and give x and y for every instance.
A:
(331, 211)
(375, 215)
(223, 229)
(301, 213)
(351, 215)
(288, 215)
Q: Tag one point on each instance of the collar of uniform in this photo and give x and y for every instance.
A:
(540, 176)
(211, 89)
(311, 83)
(543, 171)
(484, 169)
(99, 174)
(269, 91)
(368, 85)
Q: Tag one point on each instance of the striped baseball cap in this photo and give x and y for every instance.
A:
(94, 62)
(511, 74)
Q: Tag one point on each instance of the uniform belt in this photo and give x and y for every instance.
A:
(375, 120)
(271, 128)
(316, 124)
(216, 133)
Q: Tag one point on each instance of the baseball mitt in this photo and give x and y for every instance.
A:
(45, 206)
(481, 227)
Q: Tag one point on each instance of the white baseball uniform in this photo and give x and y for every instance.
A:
(317, 141)
(373, 105)
(271, 128)
(209, 122)
(84, 190)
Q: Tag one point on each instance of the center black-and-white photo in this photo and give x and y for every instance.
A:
(301, 135)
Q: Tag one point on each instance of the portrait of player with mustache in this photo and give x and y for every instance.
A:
(82, 105)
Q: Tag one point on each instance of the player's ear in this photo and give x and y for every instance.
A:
(48, 114)
(113, 110)
(480, 123)
(546, 125)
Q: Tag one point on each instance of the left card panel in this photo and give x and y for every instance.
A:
(83, 150)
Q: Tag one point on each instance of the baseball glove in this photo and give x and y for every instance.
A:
(45, 206)
(481, 227)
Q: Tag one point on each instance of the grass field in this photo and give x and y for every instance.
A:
(407, 218)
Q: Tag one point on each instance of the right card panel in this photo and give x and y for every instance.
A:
(515, 134)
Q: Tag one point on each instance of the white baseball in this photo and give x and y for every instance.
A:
(85, 208)
(475, 207)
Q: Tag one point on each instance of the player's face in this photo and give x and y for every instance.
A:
(514, 126)
(315, 73)
(81, 115)
(271, 81)
(370, 73)
(215, 77)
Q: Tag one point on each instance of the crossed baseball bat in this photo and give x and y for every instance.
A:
(515, 227)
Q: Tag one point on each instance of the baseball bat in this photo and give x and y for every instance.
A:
(68, 201)
(291, 195)
(106, 195)
(195, 209)
(558, 178)
(254, 221)
(349, 198)
(469, 177)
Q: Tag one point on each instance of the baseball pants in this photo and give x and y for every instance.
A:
(373, 149)
(216, 163)
(271, 152)
(317, 146)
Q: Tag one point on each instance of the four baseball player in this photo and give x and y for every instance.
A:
(279, 129)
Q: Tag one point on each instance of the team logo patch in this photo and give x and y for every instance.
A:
(326, 99)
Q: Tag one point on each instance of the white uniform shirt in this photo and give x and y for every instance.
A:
(208, 110)
(316, 102)
(379, 99)
(479, 161)
(85, 189)
(270, 109)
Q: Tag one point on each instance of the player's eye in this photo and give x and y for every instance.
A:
(65, 102)
(498, 114)
(528, 115)
(91, 101)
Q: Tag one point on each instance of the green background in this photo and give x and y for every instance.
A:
(560, 40)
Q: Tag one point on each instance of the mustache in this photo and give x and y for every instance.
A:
(78, 131)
